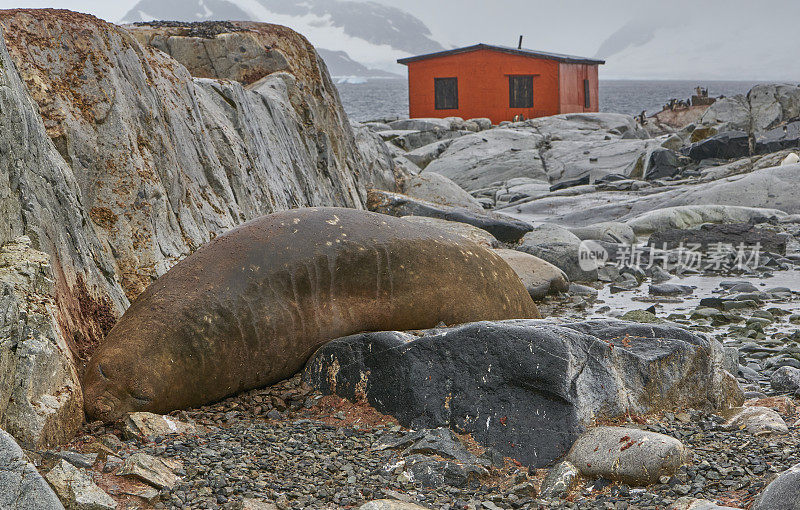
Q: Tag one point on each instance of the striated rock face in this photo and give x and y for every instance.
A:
(162, 162)
(117, 162)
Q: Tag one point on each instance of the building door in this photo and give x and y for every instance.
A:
(520, 91)
(446, 93)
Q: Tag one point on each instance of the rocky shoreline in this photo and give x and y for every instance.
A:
(665, 373)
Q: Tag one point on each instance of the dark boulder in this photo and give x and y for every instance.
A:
(714, 235)
(663, 163)
(525, 388)
(504, 228)
(727, 145)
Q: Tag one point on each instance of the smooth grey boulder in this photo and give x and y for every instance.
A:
(526, 388)
(520, 188)
(439, 189)
(587, 127)
(21, 485)
(610, 232)
(782, 494)
(686, 503)
(413, 140)
(423, 156)
(762, 193)
(570, 160)
(689, 216)
(504, 228)
(733, 112)
(759, 421)
(631, 456)
(424, 124)
(786, 380)
(560, 247)
(539, 276)
(478, 160)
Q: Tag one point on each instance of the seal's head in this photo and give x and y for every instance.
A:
(110, 394)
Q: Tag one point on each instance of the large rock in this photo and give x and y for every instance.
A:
(478, 160)
(783, 493)
(77, 490)
(439, 189)
(733, 112)
(21, 486)
(40, 395)
(569, 160)
(726, 145)
(587, 127)
(684, 218)
(610, 232)
(631, 456)
(560, 247)
(502, 227)
(526, 388)
(771, 189)
(539, 276)
(423, 156)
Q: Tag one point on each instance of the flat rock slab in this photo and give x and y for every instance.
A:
(146, 426)
(626, 455)
(155, 471)
(525, 388)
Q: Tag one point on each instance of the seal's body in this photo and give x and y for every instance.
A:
(249, 309)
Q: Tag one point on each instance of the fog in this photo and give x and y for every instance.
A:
(647, 39)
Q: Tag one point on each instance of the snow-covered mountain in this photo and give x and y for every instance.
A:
(370, 34)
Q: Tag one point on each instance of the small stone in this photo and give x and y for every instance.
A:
(559, 480)
(146, 426)
(758, 421)
(627, 455)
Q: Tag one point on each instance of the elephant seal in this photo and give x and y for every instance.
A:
(250, 308)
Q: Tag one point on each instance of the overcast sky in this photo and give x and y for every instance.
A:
(648, 39)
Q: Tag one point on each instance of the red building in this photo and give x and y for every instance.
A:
(500, 83)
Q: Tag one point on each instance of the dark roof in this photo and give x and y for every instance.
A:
(569, 59)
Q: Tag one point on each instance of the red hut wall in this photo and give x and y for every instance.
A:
(483, 85)
(571, 80)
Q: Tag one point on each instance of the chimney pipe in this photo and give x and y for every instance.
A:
(520, 43)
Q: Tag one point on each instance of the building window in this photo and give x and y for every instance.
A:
(446, 91)
(521, 91)
(587, 95)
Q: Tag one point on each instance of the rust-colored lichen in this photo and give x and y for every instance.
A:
(103, 217)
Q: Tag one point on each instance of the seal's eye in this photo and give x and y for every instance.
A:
(140, 399)
(100, 370)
